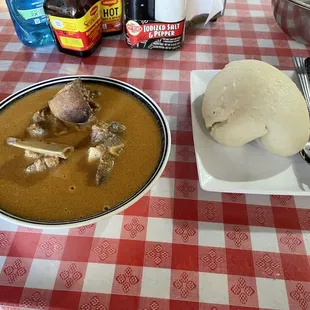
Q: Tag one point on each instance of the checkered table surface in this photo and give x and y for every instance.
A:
(178, 247)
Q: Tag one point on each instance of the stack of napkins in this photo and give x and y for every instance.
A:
(202, 11)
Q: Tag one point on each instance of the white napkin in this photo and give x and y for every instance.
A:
(201, 7)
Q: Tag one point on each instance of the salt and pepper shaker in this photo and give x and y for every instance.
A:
(155, 24)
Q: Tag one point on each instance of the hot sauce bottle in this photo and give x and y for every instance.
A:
(75, 24)
(112, 17)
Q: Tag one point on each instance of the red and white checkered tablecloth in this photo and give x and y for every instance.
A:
(178, 247)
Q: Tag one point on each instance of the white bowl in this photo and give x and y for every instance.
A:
(166, 146)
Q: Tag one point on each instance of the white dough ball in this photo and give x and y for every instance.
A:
(251, 99)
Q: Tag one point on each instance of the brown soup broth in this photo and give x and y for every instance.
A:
(68, 192)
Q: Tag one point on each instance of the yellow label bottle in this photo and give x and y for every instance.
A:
(76, 25)
(112, 17)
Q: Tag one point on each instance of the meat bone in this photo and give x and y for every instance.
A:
(47, 148)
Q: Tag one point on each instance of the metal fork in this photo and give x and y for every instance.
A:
(301, 70)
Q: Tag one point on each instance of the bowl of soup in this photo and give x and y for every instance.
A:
(78, 149)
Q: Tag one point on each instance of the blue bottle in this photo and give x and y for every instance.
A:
(30, 22)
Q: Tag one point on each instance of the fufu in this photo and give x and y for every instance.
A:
(251, 99)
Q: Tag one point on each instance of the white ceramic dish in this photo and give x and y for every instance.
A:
(248, 169)
(148, 102)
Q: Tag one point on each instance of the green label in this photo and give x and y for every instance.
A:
(32, 13)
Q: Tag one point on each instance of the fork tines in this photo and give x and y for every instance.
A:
(299, 64)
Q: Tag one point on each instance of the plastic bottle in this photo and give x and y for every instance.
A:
(76, 25)
(30, 22)
(112, 17)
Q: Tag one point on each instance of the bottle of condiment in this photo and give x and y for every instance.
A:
(155, 24)
(112, 17)
(76, 25)
(138, 10)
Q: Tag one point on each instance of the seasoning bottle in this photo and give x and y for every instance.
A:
(136, 11)
(76, 25)
(112, 17)
(155, 24)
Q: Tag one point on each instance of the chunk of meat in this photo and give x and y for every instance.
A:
(89, 94)
(106, 162)
(51, 161)
(37, 130)
(107, 133)
(99, 132)
(116, 127)
(106, 137)
(30, 154)
(45, 119)
(38, 166)
(38, 117)
(104, 169)
(112, 140)
(42, 115)
(70, 105)
(43, 163)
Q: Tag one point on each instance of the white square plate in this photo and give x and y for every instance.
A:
(248, 169)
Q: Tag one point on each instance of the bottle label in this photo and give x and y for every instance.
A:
(150, 34)
(79, 34)
(111, 12)
(32, 11)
